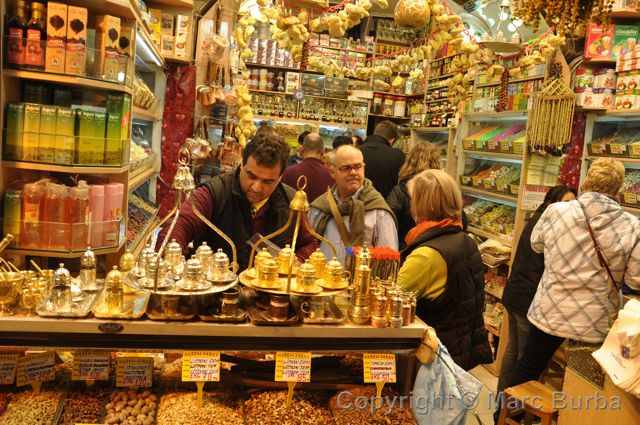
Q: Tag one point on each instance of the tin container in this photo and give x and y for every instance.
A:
(145, 256)
(334, 274)
(127, 262)
(379, 307)
(379, 321)
(155, 268)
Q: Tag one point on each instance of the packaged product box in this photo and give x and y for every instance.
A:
(125, 50)
(33, 92)
(56, 37)
(117, 127)
(31, 135)
(634, 150)
(47, 146)
(183, 33)
(166, 26)
(90, 147)
(99, 133)
(76, 49)
(107, 40)
(168, 45)
(65, 140)
(155, 23)
(599, 41)
(14, 131)
(62, 96)
(12, 214)
(617, 149)
(469, 142)
(624, 40)
(292, 82)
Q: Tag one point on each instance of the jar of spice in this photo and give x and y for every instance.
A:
(377, 104)
(400, 106)
(387, 106)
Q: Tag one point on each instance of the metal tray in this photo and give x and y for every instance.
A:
(170, 288)
(260, 317)
(154, 312)
(333, 315)
(80, 306)
(246, 279)
(241, 317)
(134, 306)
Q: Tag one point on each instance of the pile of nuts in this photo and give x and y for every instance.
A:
(4, 398)
(219, 408)
(81, 407)
(131, 407)
(27, 408)
(270, 408)
(345, 411)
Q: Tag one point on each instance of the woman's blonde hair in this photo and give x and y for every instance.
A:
(435, 196)
(605, 175)
(423, 156)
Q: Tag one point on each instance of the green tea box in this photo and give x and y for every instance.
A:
(99, 131)
(65, 140)
(12, 213)
(624, 40)
(89, 151)
(31, 135)
(14, 131)
(47, 147)
(118, 112)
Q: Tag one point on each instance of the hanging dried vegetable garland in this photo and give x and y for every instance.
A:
(550, 126)
(567, 15)
(504, 92)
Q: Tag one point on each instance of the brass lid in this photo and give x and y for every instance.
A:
(286, 251)
(147, 253)
(317, 256)
(88, 259)
(306, 270)
(193, 265)
(114, 278)
(204, 250)
(127, 261)
(364, 255)
(263, 255)
(268, 265)
(299, 202)
(173, 248)
(61, 276)
(220, 258)
(333, 267)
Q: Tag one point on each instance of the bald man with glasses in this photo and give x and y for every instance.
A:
(352, 212)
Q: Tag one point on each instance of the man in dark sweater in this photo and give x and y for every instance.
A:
(318, 177)
(382, 159)
(248, 200)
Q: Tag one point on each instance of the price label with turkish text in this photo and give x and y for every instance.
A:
(293, 367)
(200, 366)
(35, 368)
(379, 367)
(8, 364)
(134, 372)
(90, 365)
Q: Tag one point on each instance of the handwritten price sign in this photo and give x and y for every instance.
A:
(134, 372)
(379, 368)
(200, 366)
(35, 368)
(8, 364)
(293, 367)
(90, 365)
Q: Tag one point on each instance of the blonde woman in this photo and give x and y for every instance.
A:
(423, 156)
(443, 266)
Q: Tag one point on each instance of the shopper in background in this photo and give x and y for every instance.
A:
(249, 200)
(383, 161)
(352, 212)
(356, 140)
(526, 272)
(423, 156)
(442, 265)
(318, 176)
(341, 141)
(297, 158)
(579, 294)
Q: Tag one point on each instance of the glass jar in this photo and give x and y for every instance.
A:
(377, 104)
(388, 106)
(400, 106)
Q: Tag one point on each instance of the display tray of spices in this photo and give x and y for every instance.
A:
(83, 405)
(218, 408)
(345, 412)
(131, 407)
(270, 408)
(27, 408)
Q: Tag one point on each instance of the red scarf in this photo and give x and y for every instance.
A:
(426, 225)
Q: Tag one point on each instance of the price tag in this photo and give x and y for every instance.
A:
(200, 366)
(492, 145)
(8, 363)
(469, 144)
(635, 150)
(134, 372)
(598, 148)
(630, 198)
(90, 366)
(617, 149)
(293, 367)
(379, 367)
(35, 368)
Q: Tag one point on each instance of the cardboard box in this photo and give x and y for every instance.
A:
(183, 33)
(117, 127)
(599, 41)
(125, 49)
(155, 23)
(47, 146)
(56, 36)
(166, 26)
(89, 149)
(99, 132)
(12, 214)
(14, 132)
(624, 40)
(107, 40)
(31, 136)
(168, 45)
(76, 50)
(65, 140)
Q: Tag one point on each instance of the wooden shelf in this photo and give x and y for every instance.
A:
(73, 169)
(489, 194)
(445, 57)
(599, 61)
(625, 14)
(497, 116)
(393, 42)
(492, 329)
(71, 80)
(440, 77)
(631, 209)
(494, 155)
(431, 129)
(316, 123)
(271, 92)
(487, 84)
(384, 93)
(616, 115)
(391, 117)
(60, 254)
(620, 158)
(155, 56)
(140, 177)
(500, 238)
(338, 98)
(438, 87)
(184, 4)
(144, 114)
(530, 78)
(286, 68)
(317, 46)
(184, 61)
(444, 99)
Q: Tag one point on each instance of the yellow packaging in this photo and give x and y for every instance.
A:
(47, 146)
(107, 41)
(183, 32)
(76, 56)
(31, 137)
(155, 22)
(56, 36)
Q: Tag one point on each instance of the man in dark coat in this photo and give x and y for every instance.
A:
(318, 176)
(382, 159)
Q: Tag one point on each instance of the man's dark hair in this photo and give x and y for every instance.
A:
(268, 149)
(357, 140)
(302, 136)
(341, 140)
(386, 129)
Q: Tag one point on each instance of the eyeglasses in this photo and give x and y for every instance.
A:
(346, 169)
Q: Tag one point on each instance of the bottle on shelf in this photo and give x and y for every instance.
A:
(16, 34)
(78, 207)
(32, 231)
(56, 216)
(36, 37)
(96, 210)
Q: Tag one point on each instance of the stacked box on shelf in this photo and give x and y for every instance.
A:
(596, 88)
(499, 221)
(543, 170)
(494, 144)
(476, 209)
(623, 143)
(469, 143)
(630, 191)
(513, 143)
(493, 177)
(519, 94)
